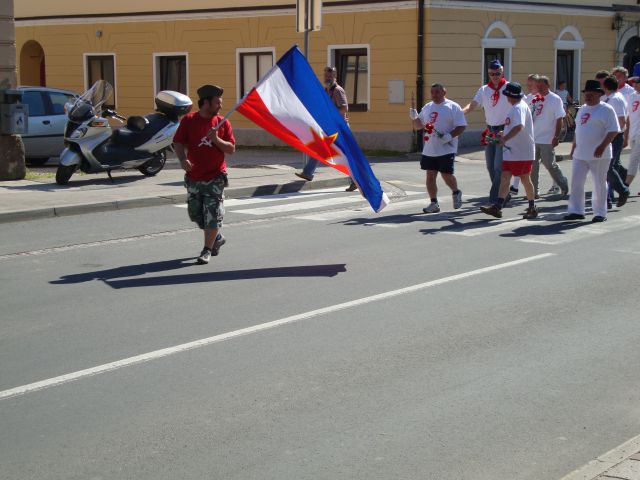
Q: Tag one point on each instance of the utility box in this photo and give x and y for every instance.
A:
(14, 116)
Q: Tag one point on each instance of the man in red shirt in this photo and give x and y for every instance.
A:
(201, 142)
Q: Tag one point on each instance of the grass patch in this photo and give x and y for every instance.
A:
(31, 175)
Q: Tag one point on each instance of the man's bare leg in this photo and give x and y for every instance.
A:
(432, 185)
(210, 235)
(451, 181)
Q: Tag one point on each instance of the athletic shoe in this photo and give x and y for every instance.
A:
(506, 200)
(204, 257)
(492, 210)
(304, 177)
(457, 200)
(220, 241)
(532, 212)
(598, 219)
(564, 189)
(513, 190)
(622, 199)
(574, 216)
(537, 196)
(432, 208)
(609, 204)
(352, 187)
(554, 190)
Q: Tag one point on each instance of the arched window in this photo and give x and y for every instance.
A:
(497, 44)
(569, 45)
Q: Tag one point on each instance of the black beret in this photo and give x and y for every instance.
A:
(208, 91)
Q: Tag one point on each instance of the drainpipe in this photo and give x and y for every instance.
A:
(420, 71)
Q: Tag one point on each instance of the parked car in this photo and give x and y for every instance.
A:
(47, 121)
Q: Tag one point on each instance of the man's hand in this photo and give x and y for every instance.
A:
(186, 165)
(599, 151)
(212, 135)
(555, 142)
(446, 138)
(413, 114)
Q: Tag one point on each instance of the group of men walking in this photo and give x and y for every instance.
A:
(522, 132)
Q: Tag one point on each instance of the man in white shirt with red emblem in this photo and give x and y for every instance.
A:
(443, 122)
(596, 127)
(634, 132)
(622, 75)
(548, 113)
(495, 105)
(519, 151)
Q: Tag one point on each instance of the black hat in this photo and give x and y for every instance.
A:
(513, 90)
(593, 86)
(208, 91)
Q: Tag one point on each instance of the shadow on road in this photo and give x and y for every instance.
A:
(111, 276)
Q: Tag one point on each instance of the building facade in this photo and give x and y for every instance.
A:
(145, 46)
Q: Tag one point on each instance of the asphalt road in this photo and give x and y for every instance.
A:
(325, 342)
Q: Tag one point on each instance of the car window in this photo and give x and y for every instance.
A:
(36, 104)
(58, 100)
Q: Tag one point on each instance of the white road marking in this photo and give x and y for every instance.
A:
(586, 231)
(156, 354)
(308, 205)
(341, 214)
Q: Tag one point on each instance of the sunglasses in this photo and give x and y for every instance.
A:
(494, 74)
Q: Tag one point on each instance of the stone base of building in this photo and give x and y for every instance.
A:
(390, 141)
(12, 165)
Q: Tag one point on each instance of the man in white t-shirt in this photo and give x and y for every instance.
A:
(532, 92)
(617, 173)
(489, 97)
(596, 127)
(517, 140)
(548, 114)
(622, 75)
(634, 132)
(443, 122)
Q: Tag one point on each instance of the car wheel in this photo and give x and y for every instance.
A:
(63, 174)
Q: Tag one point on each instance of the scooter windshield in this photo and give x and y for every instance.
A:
(90, 102)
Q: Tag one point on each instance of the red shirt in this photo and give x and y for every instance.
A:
(207, 159)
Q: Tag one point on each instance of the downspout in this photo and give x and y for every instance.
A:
(420, 71)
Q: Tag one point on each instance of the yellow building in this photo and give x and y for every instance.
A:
(145, 46)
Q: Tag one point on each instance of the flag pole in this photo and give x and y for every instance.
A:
(307, 3)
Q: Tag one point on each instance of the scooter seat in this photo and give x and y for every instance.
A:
(135, 138)
(137, 123)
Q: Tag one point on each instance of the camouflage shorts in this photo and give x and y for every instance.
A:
(205, 202)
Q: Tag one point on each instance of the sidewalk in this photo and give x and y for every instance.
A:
(621, 463)
(41, 197)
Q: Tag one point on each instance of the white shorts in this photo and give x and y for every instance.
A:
(634, 157)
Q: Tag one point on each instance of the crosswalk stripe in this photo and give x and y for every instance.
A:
(581, 232)
(340, 214)
(308, 205)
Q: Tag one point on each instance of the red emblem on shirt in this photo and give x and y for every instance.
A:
(635, 105)
(433, 117)
(538, 109)
(507, 121)
(584, 118)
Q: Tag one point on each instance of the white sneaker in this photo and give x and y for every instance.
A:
(555, 189)
(457, 200)
(432, 208)
(204, 257)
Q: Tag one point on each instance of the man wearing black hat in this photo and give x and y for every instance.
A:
(596, 127)
(518, 143)
(496, 106)
(201, 142)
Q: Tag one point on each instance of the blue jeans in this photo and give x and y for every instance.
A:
(616, 182)
(310, 167)
(493, 157)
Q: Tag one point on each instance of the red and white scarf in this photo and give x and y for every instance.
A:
(495, 98)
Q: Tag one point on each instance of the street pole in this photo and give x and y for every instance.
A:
(307, 6)
(11, 147)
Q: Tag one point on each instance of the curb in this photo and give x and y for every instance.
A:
(613, 465)
(238, 192)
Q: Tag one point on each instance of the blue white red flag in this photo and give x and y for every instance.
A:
(290, 103)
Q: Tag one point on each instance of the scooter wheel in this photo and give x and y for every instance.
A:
(63, 174)
(153, 167)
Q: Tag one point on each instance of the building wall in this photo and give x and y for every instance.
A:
(453, 52)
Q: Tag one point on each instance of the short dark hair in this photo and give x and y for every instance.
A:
(562, 82)
(201, 101)
(602, 74)
(437, 85)
(611, 83)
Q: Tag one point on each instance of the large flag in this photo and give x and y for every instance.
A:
(290, 103)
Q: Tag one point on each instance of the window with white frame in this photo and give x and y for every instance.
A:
(569, 45)
(101, 67)
(171, 72)
(497, 44)
(352, 65)
(252, 66)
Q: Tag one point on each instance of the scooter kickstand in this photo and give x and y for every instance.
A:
(110, 177)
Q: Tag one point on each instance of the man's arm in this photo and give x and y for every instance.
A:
(623, 122)
(470, 107)
(605, 143)
(514, 131)
(556, 136)
(228, 148)
(181, 153)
